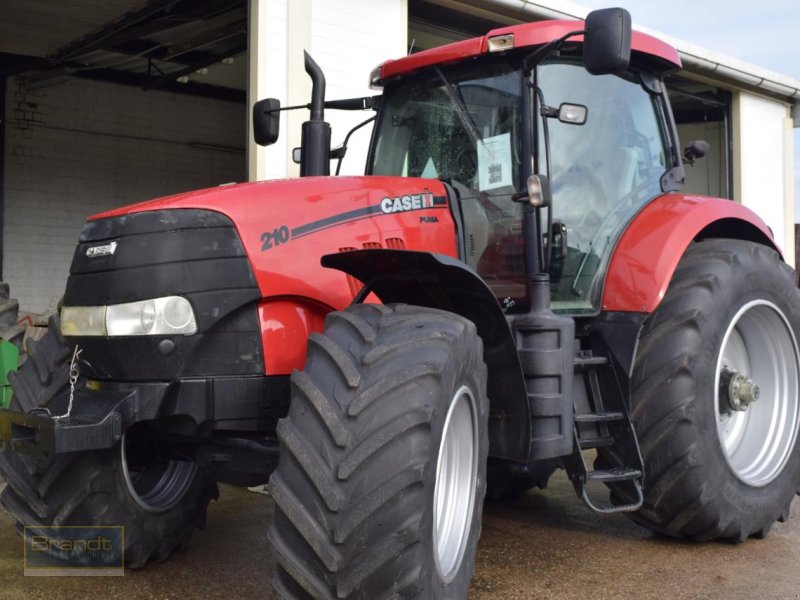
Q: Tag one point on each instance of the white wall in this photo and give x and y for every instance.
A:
(708, 175)
(348, 39)
(267, 78)
(82, 147)
(761, 147)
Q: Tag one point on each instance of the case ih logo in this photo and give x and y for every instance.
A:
(406, 203)
(104, 250)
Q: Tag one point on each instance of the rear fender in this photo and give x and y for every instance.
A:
(439, 281)
(649, 250)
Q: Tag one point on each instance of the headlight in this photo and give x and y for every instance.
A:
(172, 315)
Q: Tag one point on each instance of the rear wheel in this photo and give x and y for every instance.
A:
(715, 395)
(10, 329)
(158, 500)
(381, 478)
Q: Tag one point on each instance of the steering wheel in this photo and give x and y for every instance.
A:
(582, 203)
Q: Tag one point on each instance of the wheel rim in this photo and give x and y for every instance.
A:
(758, 440)
(155, 485)
(456, 474)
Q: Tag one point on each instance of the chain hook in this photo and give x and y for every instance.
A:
(74, 374)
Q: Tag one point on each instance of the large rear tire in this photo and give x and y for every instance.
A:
(732, 312)
(158, 501)
(381, 477)
(10, 329)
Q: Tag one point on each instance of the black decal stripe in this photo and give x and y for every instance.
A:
(350, 215)
(354, 215)
(334, 224)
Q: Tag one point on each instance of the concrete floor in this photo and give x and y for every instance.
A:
(543, 545)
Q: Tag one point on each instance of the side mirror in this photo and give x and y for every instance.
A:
(266, 121)
(574, 114)
(695, 150)
(607, 41)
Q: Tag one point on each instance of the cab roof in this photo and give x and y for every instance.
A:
(525, 35)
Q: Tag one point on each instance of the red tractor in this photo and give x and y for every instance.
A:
(516, 280)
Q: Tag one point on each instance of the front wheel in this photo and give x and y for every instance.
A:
(158, 500)
(381, 478)
(715, 395)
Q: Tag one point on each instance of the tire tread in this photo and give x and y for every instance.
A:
(339, 525)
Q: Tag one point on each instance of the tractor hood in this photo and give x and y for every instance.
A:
(285, 226)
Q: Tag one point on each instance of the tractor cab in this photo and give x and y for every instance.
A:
(605, 142)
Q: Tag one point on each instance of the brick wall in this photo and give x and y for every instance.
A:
(82, 147)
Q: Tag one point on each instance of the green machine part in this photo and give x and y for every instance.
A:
(9, 359)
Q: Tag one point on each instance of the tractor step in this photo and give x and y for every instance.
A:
(632, 506)
(604, 423)
(587, 443)
(615, 474)
(598, 417)
(584, 361)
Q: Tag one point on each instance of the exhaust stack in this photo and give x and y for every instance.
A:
(315, 145)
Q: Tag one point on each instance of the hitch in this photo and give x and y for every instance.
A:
(98, 420)
(40, 435)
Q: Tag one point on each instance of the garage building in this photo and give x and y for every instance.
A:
(107, 103)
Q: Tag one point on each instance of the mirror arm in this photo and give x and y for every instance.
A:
(549, 111)
(534, 57)
(343, 148)
(365, 103)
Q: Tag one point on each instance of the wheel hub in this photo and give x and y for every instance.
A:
(737, 389)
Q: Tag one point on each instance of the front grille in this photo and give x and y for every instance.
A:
(156, 254)
(183, 252)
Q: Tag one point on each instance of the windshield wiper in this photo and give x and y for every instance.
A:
(454, 94)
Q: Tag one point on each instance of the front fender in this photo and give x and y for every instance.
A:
(439, 281)
(649, 250)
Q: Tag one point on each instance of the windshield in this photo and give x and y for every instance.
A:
(464, 126)
(460, 124)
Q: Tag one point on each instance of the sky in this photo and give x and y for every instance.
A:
(764, 33)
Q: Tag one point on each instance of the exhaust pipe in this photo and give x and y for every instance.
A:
(315, 145)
